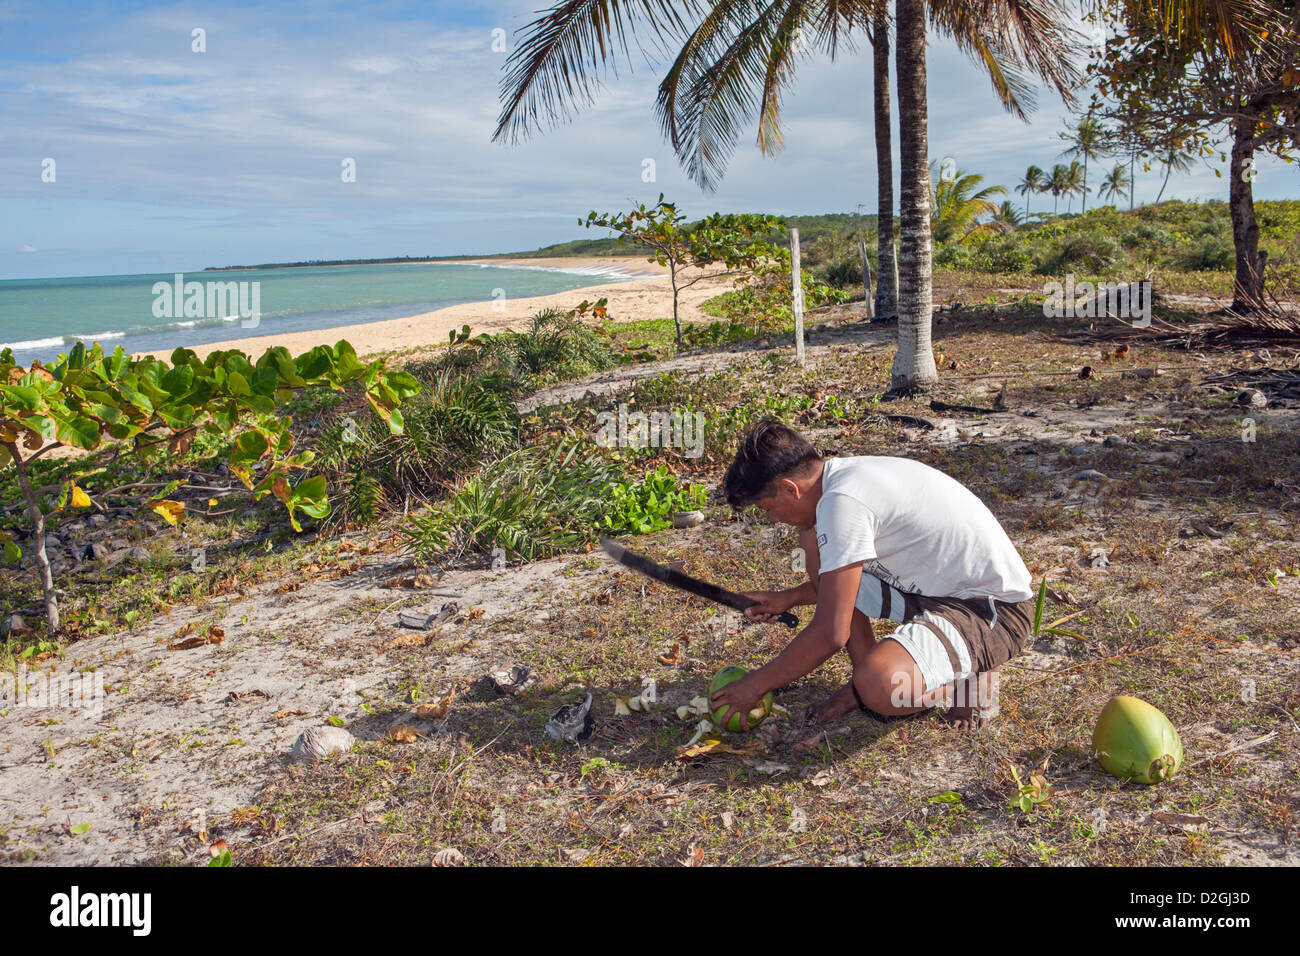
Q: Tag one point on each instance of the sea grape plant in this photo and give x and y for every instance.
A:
(87, 399)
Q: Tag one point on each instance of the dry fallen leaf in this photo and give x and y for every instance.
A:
(674, 655)
(728, 819)
(438, 710)
(280, 715)
(708, 747)
(215, 635)
(186, 629)
(407, 640)
(217, 849)
(449, 857)
(286, 588)
(402, 734)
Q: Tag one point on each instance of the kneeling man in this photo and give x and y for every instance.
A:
(890, 539)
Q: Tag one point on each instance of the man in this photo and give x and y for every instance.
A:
(891, 539)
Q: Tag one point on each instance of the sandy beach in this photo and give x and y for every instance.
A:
(630, 300)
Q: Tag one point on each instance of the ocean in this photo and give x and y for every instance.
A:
(39, 318)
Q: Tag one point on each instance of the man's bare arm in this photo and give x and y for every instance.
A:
(836, 596)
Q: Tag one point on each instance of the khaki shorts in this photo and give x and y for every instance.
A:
(949, 638)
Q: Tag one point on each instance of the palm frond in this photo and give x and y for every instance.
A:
(555, 68)
(1015, 35)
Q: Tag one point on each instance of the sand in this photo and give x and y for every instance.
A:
(643, 298)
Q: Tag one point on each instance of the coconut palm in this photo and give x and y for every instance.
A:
(957, 204)
(1085, 140)
(1174, 158)
(886, 255)
(1116, 183)
(1006, 219)
(1034, 182)
(1074, 183)
(1032, 32)
(1058, 184)
(738, 60)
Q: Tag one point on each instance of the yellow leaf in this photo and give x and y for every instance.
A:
(212, 502)
(710, 746)
(79, 498)
(169, 511)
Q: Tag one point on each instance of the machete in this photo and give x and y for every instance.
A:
(684, 582)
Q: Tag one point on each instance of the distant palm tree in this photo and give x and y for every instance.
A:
(1085, 140)
(1034, 182)
(1073, 183)
(957, 204)
(1006, 219)
(1174, 157)
(1116, 183)
(1058, 184)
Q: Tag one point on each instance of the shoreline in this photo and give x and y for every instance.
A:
(648, 296)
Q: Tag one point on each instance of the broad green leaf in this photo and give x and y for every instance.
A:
(80, 431)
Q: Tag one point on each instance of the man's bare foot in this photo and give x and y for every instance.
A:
(969, 718)
(837, 705)
(973, 703)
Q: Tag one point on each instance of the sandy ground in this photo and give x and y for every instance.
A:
(644, 298)
(178, 737)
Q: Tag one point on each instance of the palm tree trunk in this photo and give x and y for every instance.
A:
(1169, 168)
(1248, 286)
(914, 361)
(887, 267)
(1132, 183)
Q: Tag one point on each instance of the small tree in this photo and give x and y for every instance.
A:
(86, 399)
(734, 241)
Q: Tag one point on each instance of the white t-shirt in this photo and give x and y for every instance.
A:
(917, 529)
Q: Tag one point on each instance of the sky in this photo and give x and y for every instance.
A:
(124, 149)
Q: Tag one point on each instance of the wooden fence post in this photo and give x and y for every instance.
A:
(796, 294)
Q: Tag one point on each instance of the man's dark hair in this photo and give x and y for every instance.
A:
(769, 451)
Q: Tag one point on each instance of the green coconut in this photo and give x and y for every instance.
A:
(756, 716)
(1135, 741)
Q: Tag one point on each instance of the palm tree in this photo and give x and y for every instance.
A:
(956, 206)
(1058, 184)
(1073, 183)
(1034, 182)
(1116, 183)
(1006, 219)
(738, 60)
(1029, 31)
(887, 280)
(1174, 157)
(1085, 140)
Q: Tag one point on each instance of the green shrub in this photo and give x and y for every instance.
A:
(955, 255)
(457, 420)
(558, 346)
(1209, 252)
(646, 505)
(1147, 235)
(532, 503)
(1089, 252)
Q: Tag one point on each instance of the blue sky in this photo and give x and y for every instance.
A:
(166, 159)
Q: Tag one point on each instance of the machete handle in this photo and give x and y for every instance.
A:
(788, 619)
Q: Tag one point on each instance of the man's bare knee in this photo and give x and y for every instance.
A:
(886, 691)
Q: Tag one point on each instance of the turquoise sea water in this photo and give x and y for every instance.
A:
(39, 318)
